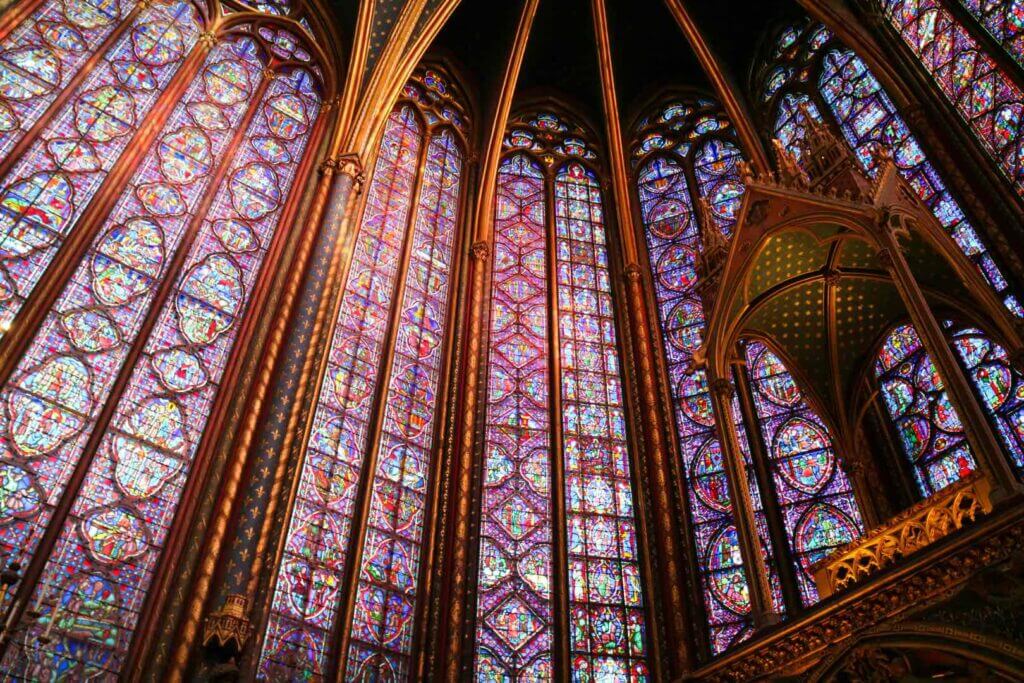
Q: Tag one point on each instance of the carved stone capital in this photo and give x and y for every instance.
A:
(632, 273)
(723, 388)
(208, 38)
(481, 250)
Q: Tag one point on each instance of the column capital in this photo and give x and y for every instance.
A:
(632, 272)
(481, 250)
(722, 388)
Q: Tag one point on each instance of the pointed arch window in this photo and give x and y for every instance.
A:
(556, 460)
(109, 398)
(984, 95)
(814, 495)
(834, 85)
(374, 422)
(928, 426)
(687, 167)
(687, 158)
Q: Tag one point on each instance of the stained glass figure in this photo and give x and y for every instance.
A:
(136, 459)
(1004, 21)
(814, 495)
(999, 385)
(45, 190)
(989, 101)
(514, 605)
(383, 371)
(667, 201)
(826, 77)
(925, 420)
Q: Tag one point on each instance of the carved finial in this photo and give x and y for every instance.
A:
(790, 172)
(722, 388)
(745, 171)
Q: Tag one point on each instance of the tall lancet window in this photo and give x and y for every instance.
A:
(375, 419)
(985, 96)
(811, 73)
(686, 154)
(1003, 20)
(687, 167)
(556, 463)
(151, 262)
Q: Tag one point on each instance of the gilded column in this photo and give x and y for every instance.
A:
(238, 543)
(672, 636)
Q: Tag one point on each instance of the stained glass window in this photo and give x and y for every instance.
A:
(514, 604)
(869, 121)
(925, 421)
(40, 57)
(606, 623)
(986, 97)
(120, 379)
(46, 190)
(394, 306)
(605, 597)
(1004, 20)
(814, 495)
(998, 384)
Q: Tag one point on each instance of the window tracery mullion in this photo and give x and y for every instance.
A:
(561, 660)
(343, 629)
(766, 486)
(28, 585)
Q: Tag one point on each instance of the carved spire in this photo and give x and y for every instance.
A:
(828, 161)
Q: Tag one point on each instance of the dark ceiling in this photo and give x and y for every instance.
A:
(649, 50)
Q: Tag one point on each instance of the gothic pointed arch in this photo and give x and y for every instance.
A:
(558, 519)
(347, 588)
(142, 286)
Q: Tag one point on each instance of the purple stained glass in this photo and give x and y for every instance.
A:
(869, 121)
(999, 384)
(308, 586)
(986, 97)
(40, 56)
(673, 244)
(66, 374)
(124, 511)
(1004, 20)
(814, 494)
(514, 619)
(46, 190)
(923, 417)
(606, 621)
(387, 592)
